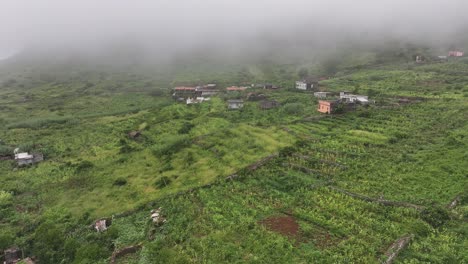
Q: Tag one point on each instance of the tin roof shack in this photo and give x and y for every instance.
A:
(23, 159)
(307, 85)
(266, 104)
(184, 92)
(235, 104)
(322, 95)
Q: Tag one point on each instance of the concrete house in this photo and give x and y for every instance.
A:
(196, 100)
(456, 53)
(322, 95)
(354, 98)
(235, 104)
(307, 84)
(327, 107)
(184, 92)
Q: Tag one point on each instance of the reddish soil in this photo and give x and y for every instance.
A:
(324, 240)
(287, 225)
(284, 225)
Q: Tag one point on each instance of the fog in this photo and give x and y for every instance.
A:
(165, 28)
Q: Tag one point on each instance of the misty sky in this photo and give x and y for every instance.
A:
(184, 23)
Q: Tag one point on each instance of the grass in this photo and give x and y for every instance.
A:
(414, 153)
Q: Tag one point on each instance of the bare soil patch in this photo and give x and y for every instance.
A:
(284, 225)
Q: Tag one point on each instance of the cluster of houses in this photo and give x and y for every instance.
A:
(345, 101)
(201, 93)
(441, 58)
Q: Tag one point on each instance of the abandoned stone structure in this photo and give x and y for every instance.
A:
(24, 158)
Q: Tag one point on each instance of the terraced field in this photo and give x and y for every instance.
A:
(334, 189)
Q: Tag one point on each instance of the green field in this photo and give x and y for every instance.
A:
(413, 153)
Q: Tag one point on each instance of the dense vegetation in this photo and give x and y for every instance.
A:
(412, 151)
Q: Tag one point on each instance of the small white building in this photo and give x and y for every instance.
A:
(307, 85)
(321, 95)
(354, 98)
(196, 100)
(235, 104)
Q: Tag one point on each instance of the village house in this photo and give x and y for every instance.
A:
(327, 107)
(184, 92)
(322, 95)
(347, 101)
(456, 53)
(235, 89)
(307, 84)
(420, 59)
(353, 98)
(235, 104)
(196, 100)
(205, 92)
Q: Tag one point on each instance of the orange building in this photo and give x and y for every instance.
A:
(326, 107)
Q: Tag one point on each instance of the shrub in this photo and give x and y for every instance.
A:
(286, 151)
(186, 127)
(5, 150)
(293, 108)
(163, 182)
(436, 216)
(172, 144)
(120, 182)
(83, 166)
(90, 253)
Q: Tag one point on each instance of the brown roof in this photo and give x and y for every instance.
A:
(183, 88)
(235, 88)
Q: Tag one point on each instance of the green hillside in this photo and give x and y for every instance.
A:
(303, 188)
